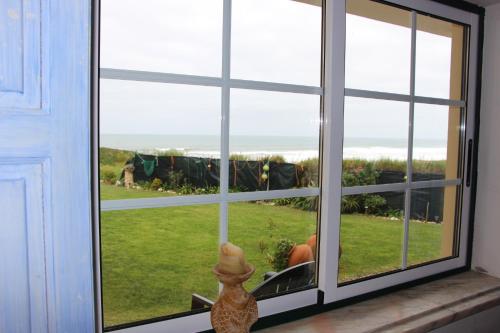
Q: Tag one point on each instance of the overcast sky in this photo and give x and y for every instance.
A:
(272, 40)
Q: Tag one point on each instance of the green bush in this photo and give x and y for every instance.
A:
(374, 204)
(279, 258)
(309, 175)
(171, 152)
(238, 157)
(303, 203)
(273, 158)
(156, 184)
(109, 156)
(108, 175)
(360, 177)
(175, 179)
(350, 204)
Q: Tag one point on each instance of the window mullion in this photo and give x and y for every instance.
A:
(409, 164)
(225, 105)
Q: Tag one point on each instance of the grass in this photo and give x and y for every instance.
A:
(111, 192)
(154, 259)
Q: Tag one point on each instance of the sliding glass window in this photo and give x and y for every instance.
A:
(403, 139)
(209, 132)
(331, 140)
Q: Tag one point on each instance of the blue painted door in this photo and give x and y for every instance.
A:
(45, 228)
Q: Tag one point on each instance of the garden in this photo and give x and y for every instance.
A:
(154, 259)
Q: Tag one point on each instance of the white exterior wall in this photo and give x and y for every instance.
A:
(486, 251)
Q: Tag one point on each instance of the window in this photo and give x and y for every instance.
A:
(409, 141)
(341, 125)
(207, 135)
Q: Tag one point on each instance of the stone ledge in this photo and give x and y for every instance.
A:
(414, 310)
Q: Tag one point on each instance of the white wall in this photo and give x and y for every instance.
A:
(486, 252)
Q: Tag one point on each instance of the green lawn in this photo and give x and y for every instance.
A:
(154, 259)
(111, 192)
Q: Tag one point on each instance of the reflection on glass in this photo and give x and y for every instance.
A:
(375, 141)
(156, 140)
(159, 35)
(378, 45)
(439, 58)
(274, 140)
(148, 266)
(371, 234)
(432, 227)
(276, 41)
(436, 143)
(279, 239)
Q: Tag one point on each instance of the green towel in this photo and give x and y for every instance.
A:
(149, 167)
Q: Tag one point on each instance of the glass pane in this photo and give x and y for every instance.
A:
(159, 36)
(378, 47)
(157, 140)
(371, 234)
(153, 260)
(375, 141)
(432, 227)
(439, 58)
(279, 239)
(276, 41)
(274, 140)
(437, 142)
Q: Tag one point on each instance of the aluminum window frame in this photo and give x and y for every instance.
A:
(333, 93)
(188, 322)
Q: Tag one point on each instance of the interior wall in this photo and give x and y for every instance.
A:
(486, 250)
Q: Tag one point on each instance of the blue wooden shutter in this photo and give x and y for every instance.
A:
(45, 229)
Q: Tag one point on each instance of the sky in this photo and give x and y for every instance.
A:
(272, 40)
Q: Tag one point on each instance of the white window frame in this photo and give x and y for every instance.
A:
(335, 93)
(330, 192)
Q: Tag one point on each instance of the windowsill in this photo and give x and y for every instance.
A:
(417, 309)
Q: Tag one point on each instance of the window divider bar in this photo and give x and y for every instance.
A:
(275, 194)
(401, 97)
(400, 187)
(376, 95)
(186, 200)
(272, 86)
(159, 77)
(409, 161)
(145, 76)
(438, 101)
(160, 202)
(225, 113)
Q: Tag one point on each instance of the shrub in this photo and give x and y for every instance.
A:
(279, 258)
(156, 184)
(108, 175)
(108, 156)
(273, 158)
(360, 177)
(175, 179)
(350, 204)
(374, 204)
(238, 157)
(304, 203)
(171, 152)
(310, 172)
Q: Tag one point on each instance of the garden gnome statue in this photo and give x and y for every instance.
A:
(128, 171)
(235, 310)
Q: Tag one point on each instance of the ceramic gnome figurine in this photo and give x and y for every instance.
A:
(235, 310)
(128, 171)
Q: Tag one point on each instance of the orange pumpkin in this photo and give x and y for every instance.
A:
(312, 243)
(299, 254)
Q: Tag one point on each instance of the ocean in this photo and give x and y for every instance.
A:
(292, 148)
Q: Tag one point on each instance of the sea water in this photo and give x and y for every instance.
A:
(292, 148)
